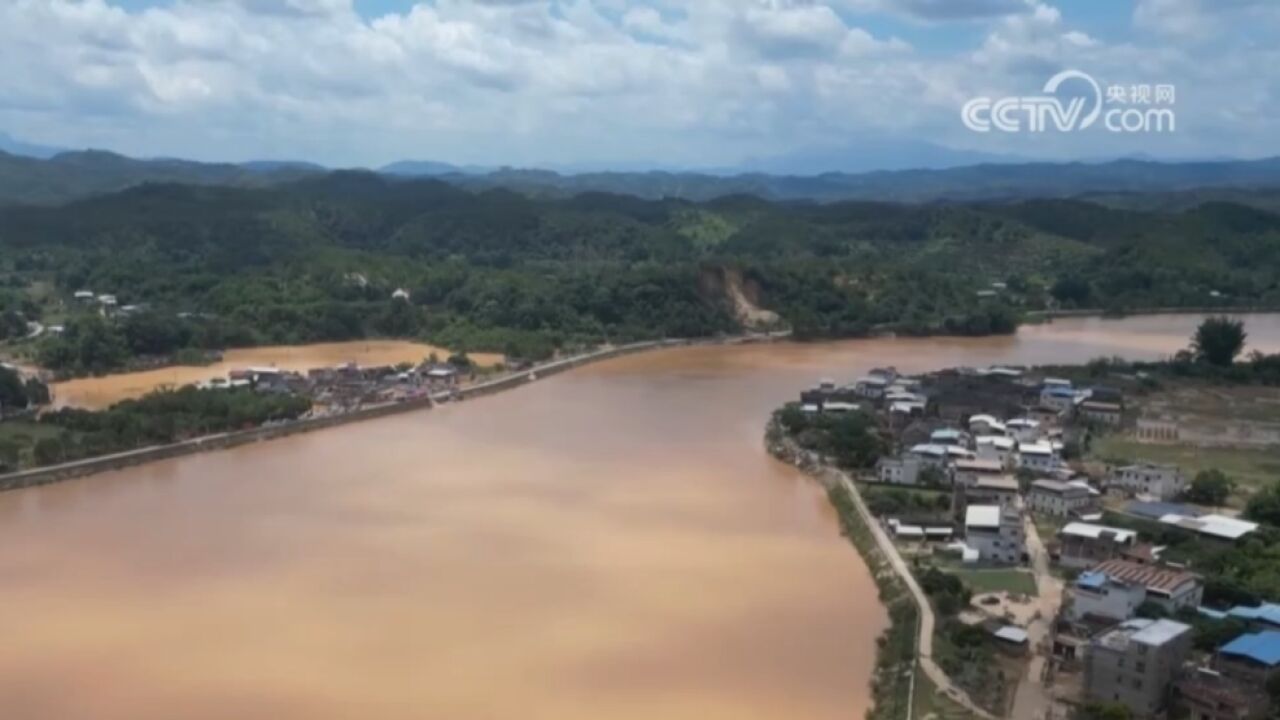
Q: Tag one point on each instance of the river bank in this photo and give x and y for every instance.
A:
(906, 646)
(222, 441)
(1045, 315)
(100, 392)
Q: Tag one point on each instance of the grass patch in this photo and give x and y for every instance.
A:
(929, 703)
(966, 655)
(25, 431)
(1251, 469)
(996, 580)
(1047, 526)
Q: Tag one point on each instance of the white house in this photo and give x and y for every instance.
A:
(1160, 481)
(1082, 545)
(1039, 457)
(986, 425)
(400, 294)
(1059, 499)
(1098, 595)
(85, 295)
(1000, 449)
(995, 532)
(1023, 429)
(899, 471)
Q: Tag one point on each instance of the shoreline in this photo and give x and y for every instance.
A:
(1034, 316)
(901, 596)
(34, 477)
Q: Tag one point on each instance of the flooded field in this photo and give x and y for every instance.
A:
(101, 392)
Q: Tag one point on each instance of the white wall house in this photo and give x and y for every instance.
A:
(1000, 449)
(1023, 430)
(1058, 499)
(1098, 595)
(1161, 481)
(899, 471)
(996, 533)
(986, 425)
(1039, 457)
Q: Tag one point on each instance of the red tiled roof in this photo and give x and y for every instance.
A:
(1154, 577)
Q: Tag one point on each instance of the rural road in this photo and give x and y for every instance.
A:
(924, 640)
(1032, 699)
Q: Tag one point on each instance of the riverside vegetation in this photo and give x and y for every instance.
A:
(892, 685)
(322, 259)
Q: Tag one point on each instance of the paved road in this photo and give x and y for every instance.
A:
(924, 648)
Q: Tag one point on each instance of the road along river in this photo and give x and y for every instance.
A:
(613, 542)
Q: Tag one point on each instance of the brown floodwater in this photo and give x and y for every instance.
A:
(608, 543)
(100, 392)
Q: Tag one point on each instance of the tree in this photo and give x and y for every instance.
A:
(1264, 506)
(1151, 611)
(932, 476)
(48, 451)
(10, 451)
(1071, 289)
(1210, 487)
(1218, 341)
(13, 393)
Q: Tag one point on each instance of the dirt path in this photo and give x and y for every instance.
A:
(924, 647)
(1032, 700)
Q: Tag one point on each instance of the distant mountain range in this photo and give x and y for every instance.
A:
(66, 176)
(14, 146)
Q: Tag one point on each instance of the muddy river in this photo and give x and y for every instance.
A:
(608, 543)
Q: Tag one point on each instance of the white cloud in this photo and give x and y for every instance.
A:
(522, 81)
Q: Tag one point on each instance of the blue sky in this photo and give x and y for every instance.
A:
(623, 83)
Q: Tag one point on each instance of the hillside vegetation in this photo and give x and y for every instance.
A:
(320, 259)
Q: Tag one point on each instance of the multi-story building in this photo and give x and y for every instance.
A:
(999, 490)
(899, 471)
(1059, 499)
(1039, 457)
(1135, 664)
(1082, 545)
(1095, 596)
(996, 532)
(1160, 481)
(968, 472)
(998, 448)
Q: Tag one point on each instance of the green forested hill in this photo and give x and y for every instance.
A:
(319, 259)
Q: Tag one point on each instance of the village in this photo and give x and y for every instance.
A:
(1065, 563)
(348, 387)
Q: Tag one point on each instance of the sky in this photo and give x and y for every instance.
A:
(623, 84)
